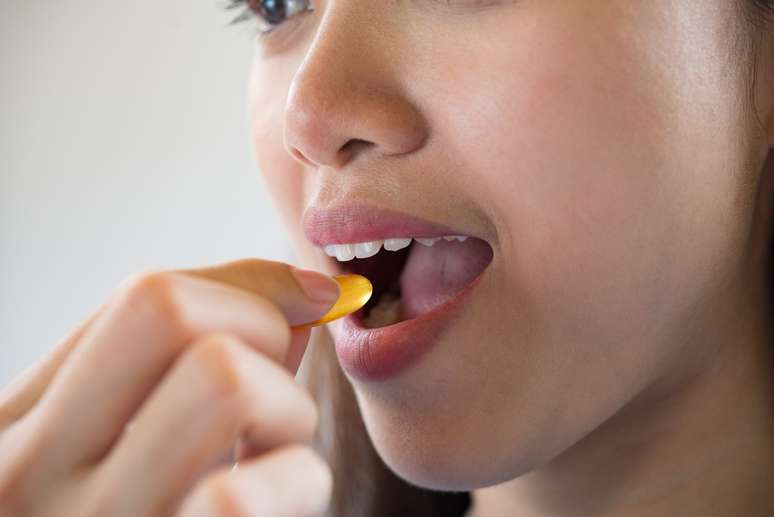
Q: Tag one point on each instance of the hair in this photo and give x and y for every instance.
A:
(759, 13)
(756, 17)
(363, 484)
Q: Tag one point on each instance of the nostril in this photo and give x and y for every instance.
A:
(352, 145)
(344, 155)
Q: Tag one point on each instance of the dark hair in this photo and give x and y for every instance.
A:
(757, 17)
(363, 485)
(761, 13)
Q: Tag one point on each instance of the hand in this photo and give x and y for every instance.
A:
(138, 410)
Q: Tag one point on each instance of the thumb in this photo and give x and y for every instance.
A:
(301, 295)
(306, 298)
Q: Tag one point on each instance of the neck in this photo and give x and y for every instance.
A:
(703, 448)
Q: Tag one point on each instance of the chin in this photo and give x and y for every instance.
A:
(453, 470)
(424, 452)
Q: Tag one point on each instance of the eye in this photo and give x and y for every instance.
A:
(269, 14)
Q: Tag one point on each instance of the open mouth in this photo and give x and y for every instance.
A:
(413, 276)
(383, 270)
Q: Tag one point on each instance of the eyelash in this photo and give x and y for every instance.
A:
(265, 26)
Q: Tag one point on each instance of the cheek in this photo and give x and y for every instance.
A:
(607, 183)
(612, 178)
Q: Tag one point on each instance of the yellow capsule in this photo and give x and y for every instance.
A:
(354, 292)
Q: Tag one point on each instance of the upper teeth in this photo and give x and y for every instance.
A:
(344, 252)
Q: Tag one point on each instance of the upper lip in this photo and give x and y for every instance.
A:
(362, 223)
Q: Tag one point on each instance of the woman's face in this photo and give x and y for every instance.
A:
(599, 147)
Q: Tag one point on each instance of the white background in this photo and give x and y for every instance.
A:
(124, 145)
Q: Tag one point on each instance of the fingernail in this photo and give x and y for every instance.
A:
(318, 287)
(356, 290)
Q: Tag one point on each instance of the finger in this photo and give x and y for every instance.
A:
(129, 348)
(244, 448)
(219, 390)
(24, 391)
(299, 339)
(282, 283)
(291, 481)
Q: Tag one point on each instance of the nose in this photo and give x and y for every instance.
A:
(345, 98)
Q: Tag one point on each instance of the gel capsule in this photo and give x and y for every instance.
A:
(354, 292)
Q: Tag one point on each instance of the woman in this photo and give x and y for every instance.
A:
(591, 335)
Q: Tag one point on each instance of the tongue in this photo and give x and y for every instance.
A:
(433, 274)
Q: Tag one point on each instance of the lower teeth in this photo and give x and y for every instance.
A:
(385, 312)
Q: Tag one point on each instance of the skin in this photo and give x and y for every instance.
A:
(206, 356)
(603, 149)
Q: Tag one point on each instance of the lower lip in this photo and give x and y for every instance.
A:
(384, 352)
